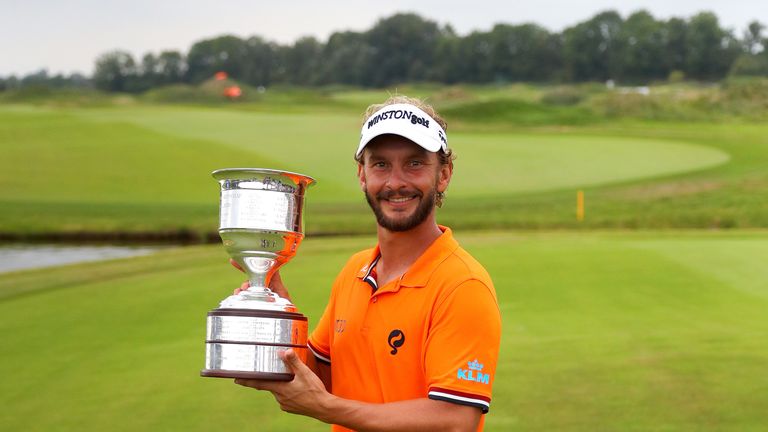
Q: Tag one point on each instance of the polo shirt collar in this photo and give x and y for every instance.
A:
(420, 271)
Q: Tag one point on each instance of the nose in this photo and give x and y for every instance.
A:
(396, 179)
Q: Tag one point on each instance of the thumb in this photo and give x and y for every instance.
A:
(292, 360)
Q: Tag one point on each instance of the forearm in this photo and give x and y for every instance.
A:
(307, 395)
(411, 416)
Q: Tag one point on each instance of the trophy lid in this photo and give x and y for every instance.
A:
(245, 174)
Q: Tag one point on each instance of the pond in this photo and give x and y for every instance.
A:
(23, 256)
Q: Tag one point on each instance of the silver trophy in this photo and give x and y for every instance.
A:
(261, 227)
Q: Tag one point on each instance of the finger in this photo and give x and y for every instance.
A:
(276, 279)
(245, 285)
(257, 384)
(247, 383)
(236, 265)
(292, 360)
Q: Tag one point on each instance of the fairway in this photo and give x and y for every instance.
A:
(602, 331)
(147, 168)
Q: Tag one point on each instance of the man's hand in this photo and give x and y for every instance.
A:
(305, 395)
(275, 284)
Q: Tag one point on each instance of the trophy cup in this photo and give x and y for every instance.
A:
(261, 227)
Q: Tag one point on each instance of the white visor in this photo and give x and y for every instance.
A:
(406, 121)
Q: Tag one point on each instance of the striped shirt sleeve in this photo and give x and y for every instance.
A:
(463, 346)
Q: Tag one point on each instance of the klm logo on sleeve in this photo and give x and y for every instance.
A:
(474, 373)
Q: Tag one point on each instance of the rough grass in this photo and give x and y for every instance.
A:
(647, 331)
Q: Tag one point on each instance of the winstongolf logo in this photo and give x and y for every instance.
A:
(474, 373)
(396, 115)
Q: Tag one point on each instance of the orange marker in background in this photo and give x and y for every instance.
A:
(233, 92)
(580, 206)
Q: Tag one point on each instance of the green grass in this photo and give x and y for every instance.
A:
(602, 331)
(146, 168)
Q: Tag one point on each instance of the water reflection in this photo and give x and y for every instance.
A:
(19, 257)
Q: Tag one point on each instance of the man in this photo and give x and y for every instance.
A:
(410, 336)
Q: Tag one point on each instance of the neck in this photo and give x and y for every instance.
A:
(401, 249)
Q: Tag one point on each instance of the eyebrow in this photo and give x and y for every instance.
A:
(420, 152)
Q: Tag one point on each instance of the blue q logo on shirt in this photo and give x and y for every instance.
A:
(473, 373)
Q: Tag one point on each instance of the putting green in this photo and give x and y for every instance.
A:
(490, 164)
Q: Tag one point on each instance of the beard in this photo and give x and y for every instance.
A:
(426, 204)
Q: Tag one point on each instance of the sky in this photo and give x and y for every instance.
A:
(67, 36)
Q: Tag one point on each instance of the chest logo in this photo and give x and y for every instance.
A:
(340, 325)
(395, 340)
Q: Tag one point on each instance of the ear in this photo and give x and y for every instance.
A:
(444, 176)
(361, 176)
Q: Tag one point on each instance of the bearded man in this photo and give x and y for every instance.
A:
(410, 337)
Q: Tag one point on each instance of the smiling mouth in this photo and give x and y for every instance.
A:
(401, 199)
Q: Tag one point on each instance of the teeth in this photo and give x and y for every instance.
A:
(399, 200)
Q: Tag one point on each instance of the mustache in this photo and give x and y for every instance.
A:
(403, 192)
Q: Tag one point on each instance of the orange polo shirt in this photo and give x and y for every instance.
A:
(435, 332)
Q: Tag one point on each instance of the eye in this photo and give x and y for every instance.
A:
(378, 164)
(415, 163)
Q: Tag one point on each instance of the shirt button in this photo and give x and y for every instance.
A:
(374, 299)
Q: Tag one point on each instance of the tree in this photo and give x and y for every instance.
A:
(591, 50)
(262, 64)
(643, 57)
(443, 68)
(39, 78)
(403, 47)
(346, 58)
(753, 38)
(170, 67)
(473, 60)
(524, 53)
(148, 72)
(115, 71)
(407, 47)
(711, 50)
(302, 60)
(753, 61)
(12, 83)
(675, 33)
(224, 53)
(79, 80)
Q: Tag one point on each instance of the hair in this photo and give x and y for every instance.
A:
(445, 157)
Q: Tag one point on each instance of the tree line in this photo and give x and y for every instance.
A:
(409, 48)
